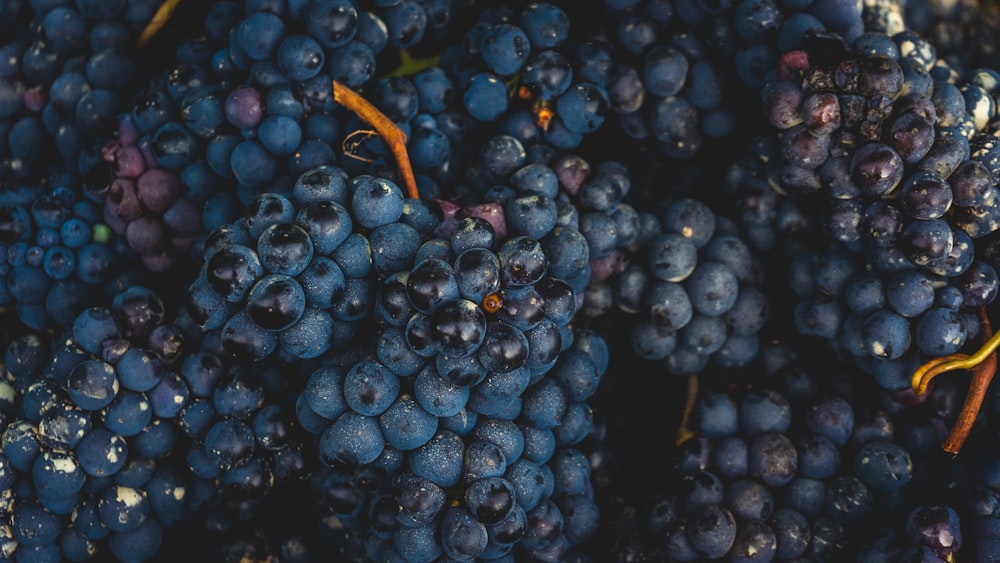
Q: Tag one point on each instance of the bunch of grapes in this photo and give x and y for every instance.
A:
(86, 444)
(69, 68)
(246, 110)
(887, 158)
(56, 254)
(696, 289)
(405, 439)
(299, 276)
(785, 475)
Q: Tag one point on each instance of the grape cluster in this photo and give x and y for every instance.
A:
(777, 477)
(298, 276)
(400, 440)
(246, 111)
(68, 69)
(474, 383)
(679, 74)
(130, 425)
(875, 145)
(82, 441)
(157, 214)
(961, 35)
(56, 255)
(553, 101)
(609, 223)
(696, 289)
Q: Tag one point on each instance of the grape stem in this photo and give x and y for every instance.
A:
(408, 65)
(982, 375)
(160, 19)
(393, 135)
(983, 364)
(684, 432)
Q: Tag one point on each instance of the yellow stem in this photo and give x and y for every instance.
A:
(684, 433)
(160, 19)
(933, 368)
(982, 375)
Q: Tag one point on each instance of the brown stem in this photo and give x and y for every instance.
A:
(982, 375)
(160, 19)
(685, 432)
(393, 135)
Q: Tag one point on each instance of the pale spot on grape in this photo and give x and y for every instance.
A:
(64, 465)
(128, 496)
(7, 392)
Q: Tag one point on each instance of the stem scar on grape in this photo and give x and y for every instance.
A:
(541, 109)
(983, 364)
(393, 135)
(543, 114)
(492, 303)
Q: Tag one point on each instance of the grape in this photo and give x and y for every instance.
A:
(935, 527)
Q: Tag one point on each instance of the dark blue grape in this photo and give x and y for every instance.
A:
(485, 97)
(370, 387)
(123, 508)
(773, 459)
(406, 425)
(285, 248)
(545, 523)
(92, 384)
(755, 540)
(927, 243)
(463, 536)
(505, 49)
(232, 272)
(546, 25)
(460, 327)
(276, 302)
(712, 531)
(244, 338)
(876, 169)
(547, 74)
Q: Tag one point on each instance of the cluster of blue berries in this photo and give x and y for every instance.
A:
(696, 289)
(245, 109)
(66, 69)
(55, 254)
(779, 475)
(888, 153)
(522, 486)
(296, 276)
(87, 416)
